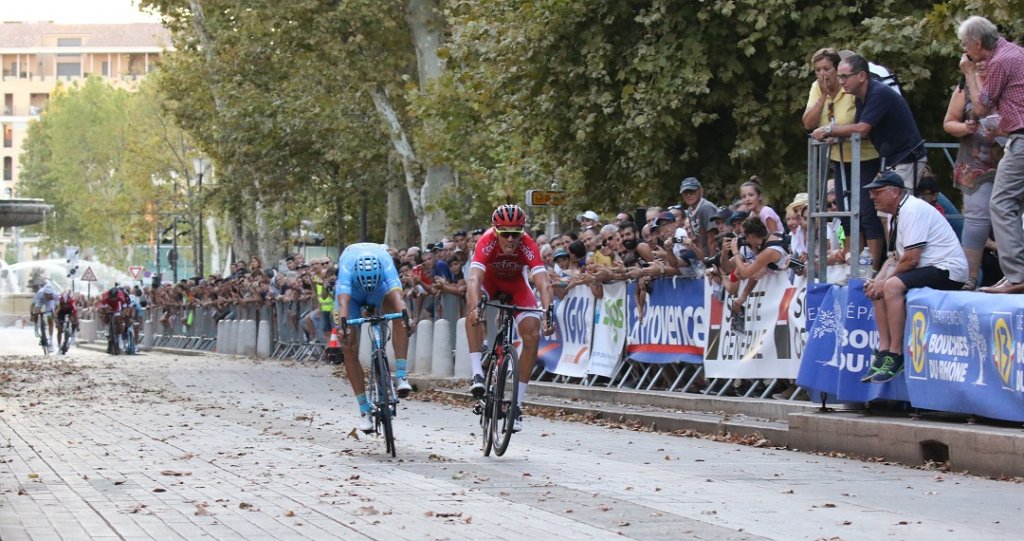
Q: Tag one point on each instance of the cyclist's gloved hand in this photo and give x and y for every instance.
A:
(549, 321)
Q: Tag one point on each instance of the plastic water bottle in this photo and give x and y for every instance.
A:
(865, 263)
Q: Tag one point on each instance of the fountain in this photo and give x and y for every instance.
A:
(19, 212)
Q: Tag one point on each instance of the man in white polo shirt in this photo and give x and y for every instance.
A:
(925, 253)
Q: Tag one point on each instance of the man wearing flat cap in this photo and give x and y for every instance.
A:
(925, 253)
(699, 212)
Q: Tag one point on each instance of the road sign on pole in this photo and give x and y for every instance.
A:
(545, 198)
(135, 272)
(88, 275)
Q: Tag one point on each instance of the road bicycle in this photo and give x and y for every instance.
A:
(381, 390)
(499, 406)
(43, 329)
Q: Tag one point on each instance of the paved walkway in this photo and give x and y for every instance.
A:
(160, 446)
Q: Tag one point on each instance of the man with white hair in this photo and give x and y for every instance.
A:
(1003, 90)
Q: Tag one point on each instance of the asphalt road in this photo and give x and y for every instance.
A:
(167, 446)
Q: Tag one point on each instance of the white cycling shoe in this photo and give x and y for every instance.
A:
(404, 388)
(517, 425)
(365, 422)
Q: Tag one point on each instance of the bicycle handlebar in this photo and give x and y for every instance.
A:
(375, 319)
(501, 306)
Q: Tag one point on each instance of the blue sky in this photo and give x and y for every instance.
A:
(74, 11)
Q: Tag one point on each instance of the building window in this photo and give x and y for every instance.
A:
(8, 193)
(69, 69)
(106, 68)
(69, 42)
(8, 168)
(8, 135)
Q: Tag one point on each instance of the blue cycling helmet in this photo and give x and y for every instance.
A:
(368, 273)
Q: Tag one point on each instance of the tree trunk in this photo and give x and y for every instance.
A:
(400, 231)
(427, 24)
(214, 241)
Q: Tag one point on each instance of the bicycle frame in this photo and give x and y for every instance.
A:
(383, 398)
(499, 407)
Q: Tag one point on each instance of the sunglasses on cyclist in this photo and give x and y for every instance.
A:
(510, 234)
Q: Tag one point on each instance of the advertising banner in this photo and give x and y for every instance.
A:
(965, 353)
(609, 330)
(673, 326)
(761, 343)
(842, 336)
(575, 322)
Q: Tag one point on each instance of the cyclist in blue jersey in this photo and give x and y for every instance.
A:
(45, 302)
(367, 278)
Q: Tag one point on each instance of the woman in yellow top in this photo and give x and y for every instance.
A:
(828, 104)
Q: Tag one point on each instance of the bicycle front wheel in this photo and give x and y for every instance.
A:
(506, 405)
(44, 335)
(385, 400)
(65, 339)
(487, 423)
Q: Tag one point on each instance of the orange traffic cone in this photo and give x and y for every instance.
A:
(333, 352)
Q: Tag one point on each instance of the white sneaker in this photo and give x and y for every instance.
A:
(477, 387)
(403, 387)
(517, 425)
(52, 348)
(365, 422)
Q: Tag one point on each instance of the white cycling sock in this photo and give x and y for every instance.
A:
(474, 362)
(522, 393)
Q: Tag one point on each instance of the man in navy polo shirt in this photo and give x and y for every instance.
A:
(884, 117)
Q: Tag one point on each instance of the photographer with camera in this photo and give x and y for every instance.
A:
(752, 256)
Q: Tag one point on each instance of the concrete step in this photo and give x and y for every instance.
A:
(995, 450)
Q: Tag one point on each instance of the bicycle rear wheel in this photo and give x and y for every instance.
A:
(113, 340)
(485, 404)
(385, 401)
(506, 391)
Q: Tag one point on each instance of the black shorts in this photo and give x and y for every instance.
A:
(61, 314)
(932, 277)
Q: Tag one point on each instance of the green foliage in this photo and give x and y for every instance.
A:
(90, 156)
(619, 100)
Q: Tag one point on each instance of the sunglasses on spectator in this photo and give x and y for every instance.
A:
(510, 234)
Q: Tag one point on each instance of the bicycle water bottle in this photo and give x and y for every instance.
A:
(865, 263)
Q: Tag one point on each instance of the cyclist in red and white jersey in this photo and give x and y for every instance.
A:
(66, 307)
(503, 257)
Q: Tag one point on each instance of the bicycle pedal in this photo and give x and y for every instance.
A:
(477, 409)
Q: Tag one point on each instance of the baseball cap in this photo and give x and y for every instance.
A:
(722, 214)
(588, 215)
(737, 216)
(886, 179)
(665, 217)
(689, 183)
(561, 253)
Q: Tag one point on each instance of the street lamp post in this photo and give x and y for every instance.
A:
(200, 165)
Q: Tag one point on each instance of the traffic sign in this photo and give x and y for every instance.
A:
(88, 275)
(545, 198)
(135, 272)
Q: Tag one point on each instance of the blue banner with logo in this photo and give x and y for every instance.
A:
(965, 353)
(673, 328)
(840, 343)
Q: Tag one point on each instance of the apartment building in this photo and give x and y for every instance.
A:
(37, 56)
